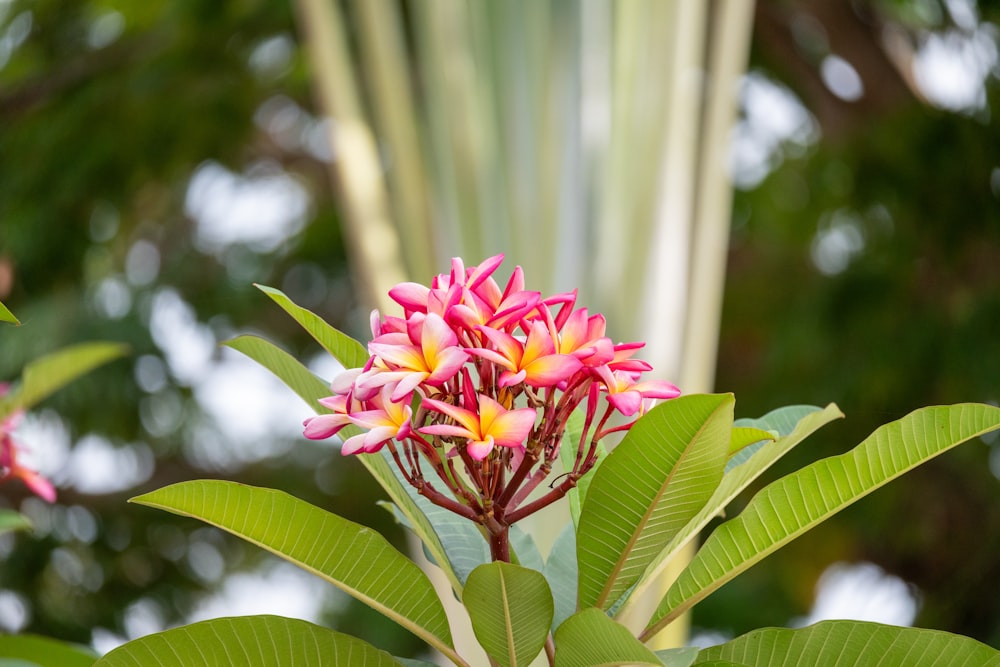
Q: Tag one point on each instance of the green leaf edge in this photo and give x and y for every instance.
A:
(442, 643)
(676, 602)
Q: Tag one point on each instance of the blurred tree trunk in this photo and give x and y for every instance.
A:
(586, 139)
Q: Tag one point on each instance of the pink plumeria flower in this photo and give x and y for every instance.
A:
(445, 290)
(534, 362)
(387, 419)
(10, 468)
(627, 395)
(382, 418)
(582, 335)
(505, 313)
(491, 426)
(427, 354)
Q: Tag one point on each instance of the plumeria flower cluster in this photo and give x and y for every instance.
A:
(10, 467)
(475, 385)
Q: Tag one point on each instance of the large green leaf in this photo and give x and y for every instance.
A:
(793, 504)
(590, 638)
(648, 488)
(851, 643)
(744, 436)
(793, 425)
(344, 349)
(511, 610)
(354, 558)
(781, 421)
(43, 652)
(6, 315)
(47, 374)
(261, 641)
(310, 388)
(11, 520)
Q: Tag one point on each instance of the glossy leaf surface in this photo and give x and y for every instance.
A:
(412, 506)
(344, 349)
(590, 638)
(511, 610)
(352, 557)
(793, 504)
(648, 488)
(262, 641)
(43, 652)
(851, 644)
(793, 425)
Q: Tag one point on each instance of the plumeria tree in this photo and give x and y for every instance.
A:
(462, 408)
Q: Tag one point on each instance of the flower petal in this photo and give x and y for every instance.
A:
(550, 370)
(324, 426)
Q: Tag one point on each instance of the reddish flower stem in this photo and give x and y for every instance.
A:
(546, 500)
(500, 543)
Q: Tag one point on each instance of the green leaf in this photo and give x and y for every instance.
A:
(744, 436)
(847, 643)
(412, 506)
(352, 557)
(262, 641)
(590, 638)
(511, 610)
(807, 420)
(781, 421)
(648, 488)
(6, 315)
(11, 520)
(678, 657)
(45, 375)
(561, 573)
(44, 652)
(286, 367)
(344, 349)
(793, 504)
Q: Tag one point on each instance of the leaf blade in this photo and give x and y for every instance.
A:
(285, 367)
(590, 638)
(352, 557)
(45, 652)
(647, 489)
(737, 478)
(847, 643)
(45, 375)
(815, 493)
(511, 610)
(418, 511)
(344, 349)
(7, 316)
(267, 641)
